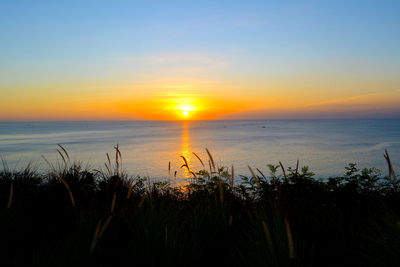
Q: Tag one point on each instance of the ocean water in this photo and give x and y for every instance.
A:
(147, 147)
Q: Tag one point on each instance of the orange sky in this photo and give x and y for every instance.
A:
(170, 106)
(166, 99)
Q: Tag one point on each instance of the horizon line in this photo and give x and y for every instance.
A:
(198, 120)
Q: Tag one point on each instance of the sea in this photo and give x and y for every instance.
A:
(154, 148)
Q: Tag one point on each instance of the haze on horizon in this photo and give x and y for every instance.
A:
(119, 60)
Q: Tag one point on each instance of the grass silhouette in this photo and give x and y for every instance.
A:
(72, 216)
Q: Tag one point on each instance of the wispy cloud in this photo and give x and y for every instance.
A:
(385, 98)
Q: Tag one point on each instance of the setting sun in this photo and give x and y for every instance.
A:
(185, 111)
(185, 106)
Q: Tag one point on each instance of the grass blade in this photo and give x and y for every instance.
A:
(198, 159)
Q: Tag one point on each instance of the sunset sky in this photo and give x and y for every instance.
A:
(129, 60)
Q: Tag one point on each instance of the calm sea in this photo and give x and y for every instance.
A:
(148, 146)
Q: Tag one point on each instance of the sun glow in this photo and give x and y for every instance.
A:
(178, 106)
(186, 107)
(185, 111)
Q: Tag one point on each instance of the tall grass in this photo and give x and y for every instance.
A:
(111, 218)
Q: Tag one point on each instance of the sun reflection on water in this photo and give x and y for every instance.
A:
(183, 175)
(186, 149)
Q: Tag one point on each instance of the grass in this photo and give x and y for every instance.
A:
(72, 216)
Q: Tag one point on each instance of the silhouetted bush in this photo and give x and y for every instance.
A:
(72, 216)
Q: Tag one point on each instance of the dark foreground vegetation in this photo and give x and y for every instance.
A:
(72, 216)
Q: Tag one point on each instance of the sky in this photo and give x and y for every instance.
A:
(168, 60)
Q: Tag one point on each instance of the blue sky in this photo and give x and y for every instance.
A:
(233, 42)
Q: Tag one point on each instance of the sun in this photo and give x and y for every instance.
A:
(185, 107)
(185, 110)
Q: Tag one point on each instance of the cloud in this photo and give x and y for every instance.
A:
(379, 99)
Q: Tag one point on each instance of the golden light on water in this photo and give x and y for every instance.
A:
(186, 149)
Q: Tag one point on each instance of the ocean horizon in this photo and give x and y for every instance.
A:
(147, 147)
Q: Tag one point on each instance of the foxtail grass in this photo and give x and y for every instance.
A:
(267, 234)
(128, 195)
(99, 232)
(283, 171)
(202, 164)
(290, 239)
(11, 195)
(186, 164)
(95, 237)
(66, 187)
(262, 174)
(255, 177)
(65, 151)
(390, 167)
(211, 160)
(255, 220)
